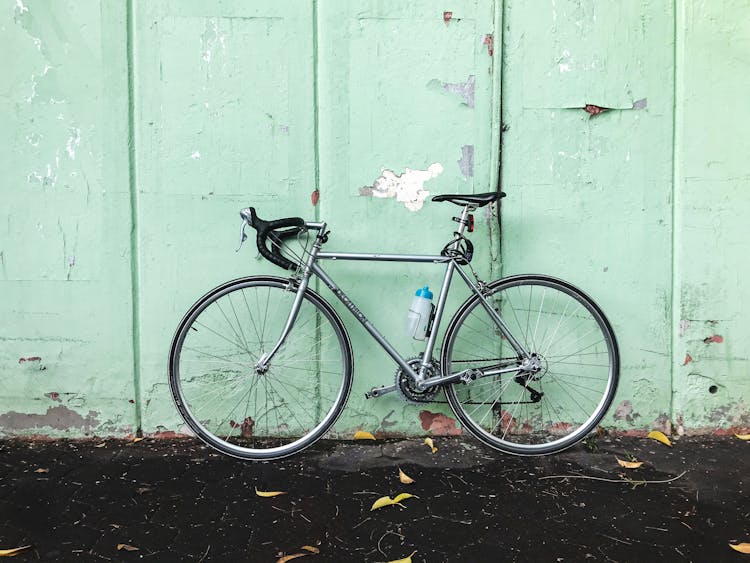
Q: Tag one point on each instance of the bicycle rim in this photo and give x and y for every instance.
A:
(250, 413)
(532, 413)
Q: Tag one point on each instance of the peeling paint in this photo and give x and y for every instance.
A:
(29, 359)
(438, 424)
(54, 395)
(463, 89)
(624, 411)
(196, 155)
(447, 16)
(20, 7)
(466, 162)
(315, 197)
(407, 188)
(488, 40)
(58, 418)
(715, 338)
(73, 142)
(684, 326)
(688, 359)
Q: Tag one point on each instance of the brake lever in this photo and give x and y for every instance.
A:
(243, 236)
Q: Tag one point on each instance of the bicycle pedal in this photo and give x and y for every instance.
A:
(376, 392)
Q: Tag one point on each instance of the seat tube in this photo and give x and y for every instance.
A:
(439, 309)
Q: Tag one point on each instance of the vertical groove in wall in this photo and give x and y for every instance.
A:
(677, 117)
(134, 262)
(498, 83)
(316, 101)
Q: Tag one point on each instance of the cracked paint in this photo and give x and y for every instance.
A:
(407, 188)
(715, 338)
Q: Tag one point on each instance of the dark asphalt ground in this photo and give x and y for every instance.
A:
(176, 500)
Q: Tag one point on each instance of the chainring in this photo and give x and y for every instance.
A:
(406, 388)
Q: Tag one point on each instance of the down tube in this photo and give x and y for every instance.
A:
(392, 352)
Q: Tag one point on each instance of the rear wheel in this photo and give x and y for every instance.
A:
(256, 413)
(570, 375)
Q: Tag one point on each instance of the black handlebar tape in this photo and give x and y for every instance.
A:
(266, 228)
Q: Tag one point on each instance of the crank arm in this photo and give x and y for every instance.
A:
(376, 392)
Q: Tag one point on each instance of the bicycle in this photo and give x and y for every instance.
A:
(261, 367)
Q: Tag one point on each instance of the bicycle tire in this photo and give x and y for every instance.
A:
(238, 410)
(579, 365)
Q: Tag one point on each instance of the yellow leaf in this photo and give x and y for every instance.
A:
(403, 496)
(137, 440)
(41, 470)
(290, 557)
(388, 501)
(268, 493)
(428, 441)
(310, 548)
(743, 436)
(629, 464)
(406, 559)
(404, 478)
(101, 445)
(13, 552)
(741, 547)
(362, 435)
(659, 437)
(126, 547)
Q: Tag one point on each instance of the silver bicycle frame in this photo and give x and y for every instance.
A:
(419, 377)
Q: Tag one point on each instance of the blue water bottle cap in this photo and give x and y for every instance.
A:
(424, 292)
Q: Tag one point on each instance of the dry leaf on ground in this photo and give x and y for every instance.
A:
(388, 501)
(741, 547)
(743, 436)
(268, 493)
(629, 464)
(137, 440)
(659, 437)
(404, 478)
(290, 557)
(101, 445)
(428, 441)
(13, 552)
(126, 547)
(362, 435)
(310, 548)
(41, 470)
(406, 559)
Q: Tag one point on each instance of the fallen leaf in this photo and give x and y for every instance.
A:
(388, 501)
(101, 445)
(362, 435)
(310, 548)
(743, 436)
(126, 547)
(659, 437)
(41, 470)
(406, 559)
(404, 478)
(137, 440)
(290, 557)
(428, 441)
(629, 464)
(142, 490)
(741, 547)
(13, 552)
(268, 493)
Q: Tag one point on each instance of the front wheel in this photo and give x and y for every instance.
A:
(260, 413)
(572, 350)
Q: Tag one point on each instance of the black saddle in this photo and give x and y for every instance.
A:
(477, 200)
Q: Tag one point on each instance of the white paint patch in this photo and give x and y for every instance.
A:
(407, 188)
(684, 326)
(196, 155)
(73, 141)
(34, 139)
(20, 7)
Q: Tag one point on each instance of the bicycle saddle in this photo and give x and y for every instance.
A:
(477, 200)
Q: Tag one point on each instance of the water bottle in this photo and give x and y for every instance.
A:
(418, 321)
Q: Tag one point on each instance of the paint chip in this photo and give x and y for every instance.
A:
(407, 188)
(196, 155)
(463, 89)
(466, 162)
(447, 16)
(489, 41)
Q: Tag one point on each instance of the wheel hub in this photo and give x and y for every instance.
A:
(534, 366)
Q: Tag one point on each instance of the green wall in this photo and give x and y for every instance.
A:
(135, 131)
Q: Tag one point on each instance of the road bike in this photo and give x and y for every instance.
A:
(261, 367)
